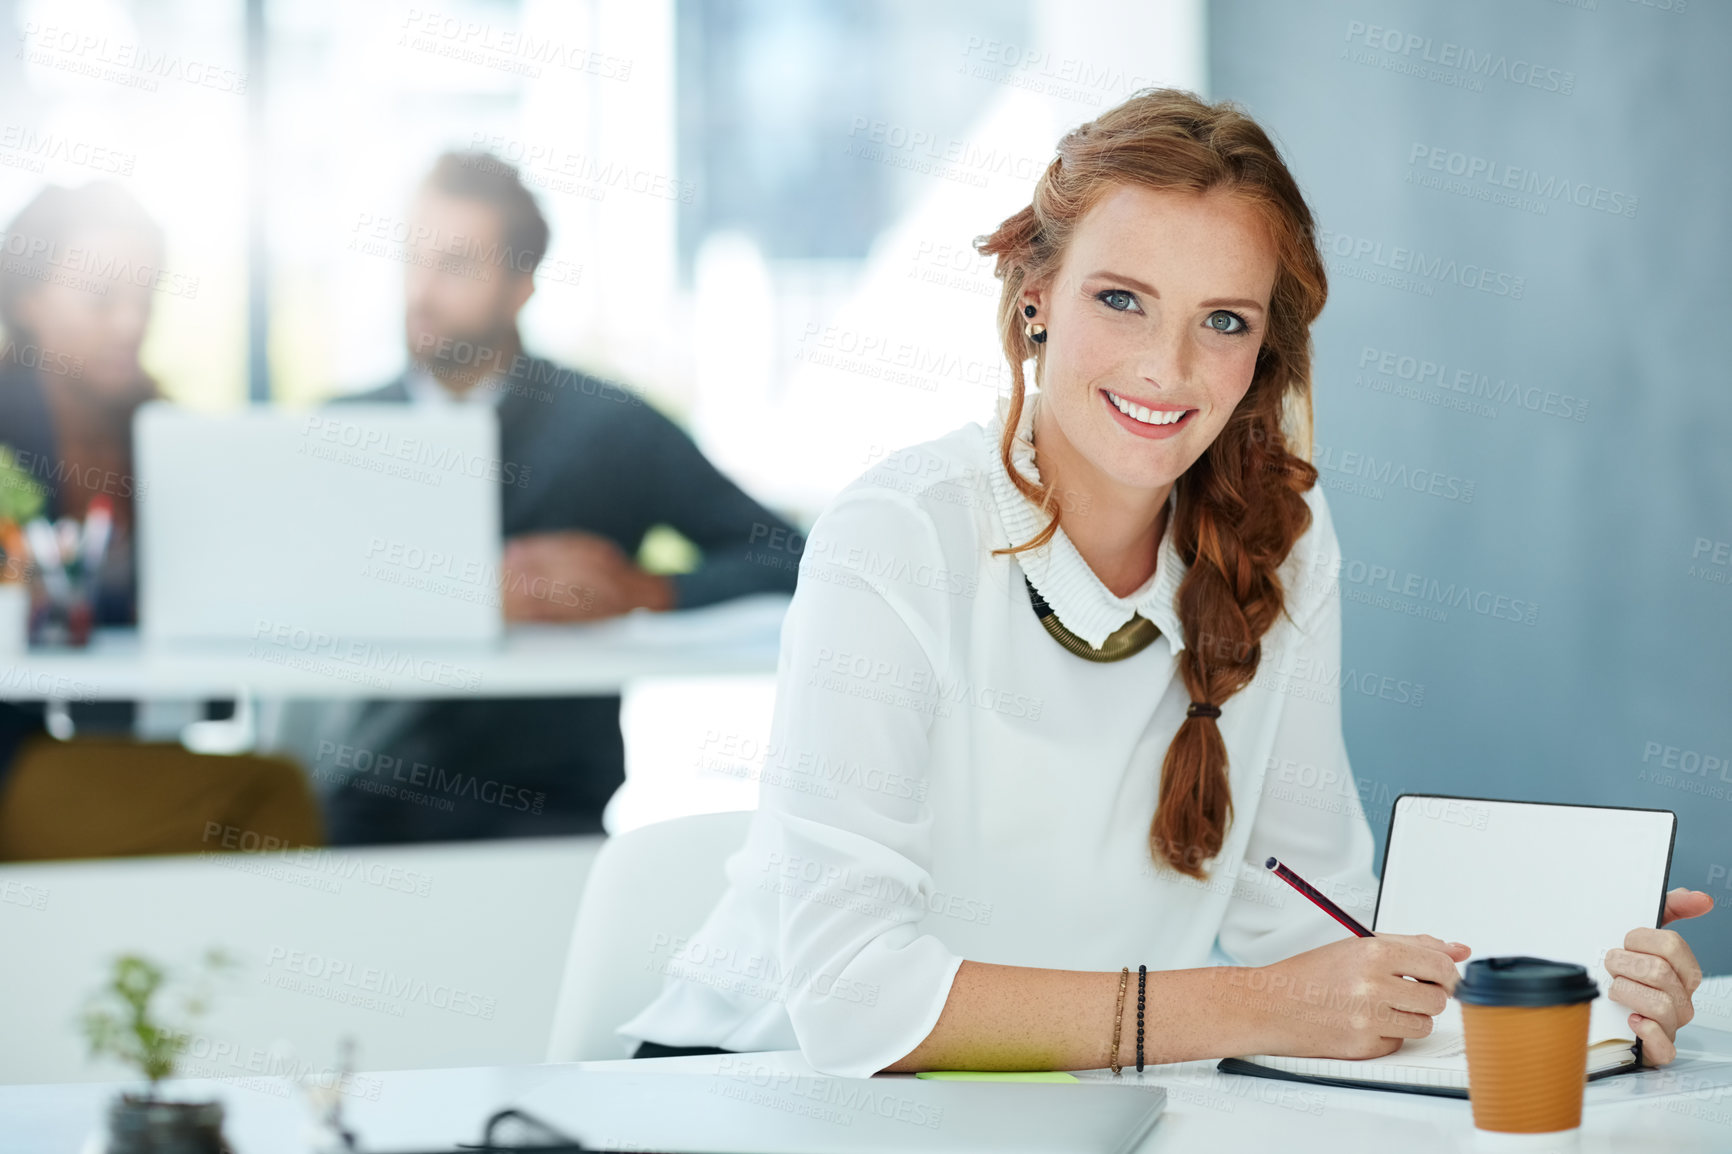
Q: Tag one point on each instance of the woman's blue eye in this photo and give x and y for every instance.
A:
(1233, 318)
(1117, 299)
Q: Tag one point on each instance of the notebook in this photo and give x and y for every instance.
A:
(1565, 882)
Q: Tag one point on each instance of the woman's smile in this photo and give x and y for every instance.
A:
(1156, 422)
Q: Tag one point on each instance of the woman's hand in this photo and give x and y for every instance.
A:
(1655, 974)
(1352, 998)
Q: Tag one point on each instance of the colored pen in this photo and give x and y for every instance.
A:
(45, 549)
(98, 524)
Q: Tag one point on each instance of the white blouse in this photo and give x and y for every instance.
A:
(945, 781)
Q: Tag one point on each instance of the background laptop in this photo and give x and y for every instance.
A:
(361, 522)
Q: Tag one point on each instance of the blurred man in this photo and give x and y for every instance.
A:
(587, 468)
(77, 274)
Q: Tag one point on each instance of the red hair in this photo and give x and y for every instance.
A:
(1241, 506)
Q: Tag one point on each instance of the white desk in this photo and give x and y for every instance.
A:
(739, 636)
(1683, 1107)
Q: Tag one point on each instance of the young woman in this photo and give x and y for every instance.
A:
(1021, 746)
(76, 300)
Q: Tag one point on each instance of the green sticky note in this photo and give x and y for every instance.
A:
(999, 1075)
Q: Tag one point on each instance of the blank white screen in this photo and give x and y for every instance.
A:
(1565, 882)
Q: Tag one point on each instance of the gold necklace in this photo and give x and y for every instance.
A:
(1127, 640)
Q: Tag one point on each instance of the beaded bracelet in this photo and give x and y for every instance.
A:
(1118, 1019)
(1142, 991)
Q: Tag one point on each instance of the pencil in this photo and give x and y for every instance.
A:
(1312, 892)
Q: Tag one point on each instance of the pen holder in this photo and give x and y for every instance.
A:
(61, 609)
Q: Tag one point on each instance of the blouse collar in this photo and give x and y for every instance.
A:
(1058, 572)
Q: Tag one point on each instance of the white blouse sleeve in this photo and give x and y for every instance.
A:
(848, 827)
(1310, 815)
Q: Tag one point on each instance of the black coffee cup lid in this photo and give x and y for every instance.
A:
(1523, 981)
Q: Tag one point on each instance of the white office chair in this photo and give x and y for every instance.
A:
(659, 879)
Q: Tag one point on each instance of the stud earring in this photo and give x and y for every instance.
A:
(1034, 331)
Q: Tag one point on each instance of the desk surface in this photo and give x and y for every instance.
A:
(740, 636)
(1686, 1106)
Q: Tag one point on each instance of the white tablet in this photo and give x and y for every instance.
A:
(1517, 877)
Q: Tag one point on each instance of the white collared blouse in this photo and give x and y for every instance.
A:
(945, 781)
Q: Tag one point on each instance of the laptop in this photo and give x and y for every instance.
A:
(759, 1108)
(360, 522)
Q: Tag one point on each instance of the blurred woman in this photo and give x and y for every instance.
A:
(78, 271)
(75, 299)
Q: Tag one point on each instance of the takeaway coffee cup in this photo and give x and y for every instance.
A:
(1526, 1021)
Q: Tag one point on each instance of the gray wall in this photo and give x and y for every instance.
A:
(1522, 392)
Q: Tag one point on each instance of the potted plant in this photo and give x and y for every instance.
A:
(21, 499)
(122, 1020)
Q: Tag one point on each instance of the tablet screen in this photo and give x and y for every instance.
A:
(1565, 882)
